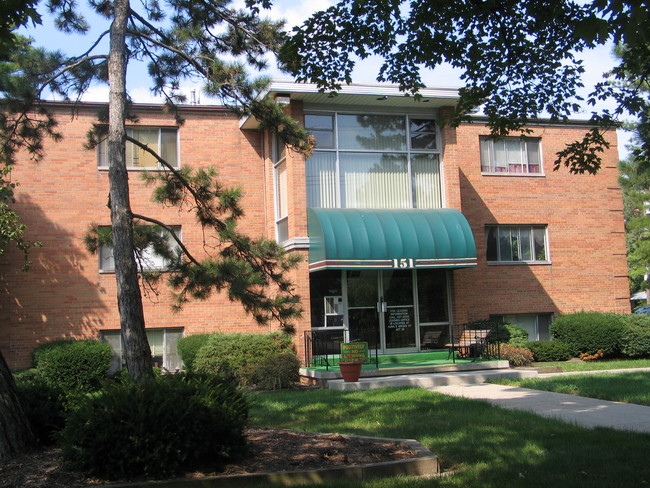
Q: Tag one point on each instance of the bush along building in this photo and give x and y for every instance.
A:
(406, 227)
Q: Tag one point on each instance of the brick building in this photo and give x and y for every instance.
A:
(405, 227)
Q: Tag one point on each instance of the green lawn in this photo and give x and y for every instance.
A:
(570, 366)
(633, 387)
(483, 446)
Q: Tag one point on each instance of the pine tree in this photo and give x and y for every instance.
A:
(181, 39)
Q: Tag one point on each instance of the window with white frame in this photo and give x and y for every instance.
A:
(281, 190)
(163, 344)
(373, 161)
(162, 140)
(516, 243)
(147, 259)
(511, 155)
(538, 325)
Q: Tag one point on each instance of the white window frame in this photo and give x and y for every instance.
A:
(171, 361)
(531, 236)
(490, 165)
(408, 152)
(107, 263)
(281, 191)
(102, 149)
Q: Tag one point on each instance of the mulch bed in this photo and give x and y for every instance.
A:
(271, 450)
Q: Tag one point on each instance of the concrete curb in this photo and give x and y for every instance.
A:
(424, 464)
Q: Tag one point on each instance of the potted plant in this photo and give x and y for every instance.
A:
(353, 355)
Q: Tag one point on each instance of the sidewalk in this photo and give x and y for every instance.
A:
(585, 412)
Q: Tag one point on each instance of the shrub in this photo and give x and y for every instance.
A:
(545, 351)
(278, 371)
(238, 355)
(587, 332)
(43, 404)
(73, 365)
(635, 340)
(503, 333)
(162, 428)
(189, 346)
(516, 356)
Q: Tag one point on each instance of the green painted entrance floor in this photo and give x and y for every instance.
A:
(410, 360)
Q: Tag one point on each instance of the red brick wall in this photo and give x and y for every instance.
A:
(584, 215)
(64, 295)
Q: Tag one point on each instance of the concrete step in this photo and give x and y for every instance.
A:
(430, 380)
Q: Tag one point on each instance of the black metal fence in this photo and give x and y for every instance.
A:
(323, 347)
(473, 340)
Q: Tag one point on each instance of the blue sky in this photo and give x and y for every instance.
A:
(596, 61)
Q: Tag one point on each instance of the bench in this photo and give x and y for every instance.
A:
(471, 343)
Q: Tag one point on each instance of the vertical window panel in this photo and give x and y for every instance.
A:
(374, 181)
(321, 180)
(426, 181)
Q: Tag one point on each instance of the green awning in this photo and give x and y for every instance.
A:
(387, 239)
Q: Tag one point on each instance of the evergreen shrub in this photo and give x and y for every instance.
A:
(545, 351)
(73, 365)
(504, 333)
(635, 340)
(165, 427)
(589, 332)
(43, 405)
(238, 356)
(189, 346)
(277, 372)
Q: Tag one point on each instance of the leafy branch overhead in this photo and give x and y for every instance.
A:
(518, 57)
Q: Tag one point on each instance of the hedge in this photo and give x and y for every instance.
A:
(588, 332)
(239, 356)
(73, 365)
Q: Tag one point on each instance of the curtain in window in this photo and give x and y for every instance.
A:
(172, 358)
(426, 181)
(168, 152)
(138, 157)
(374, 181)
(321, 180)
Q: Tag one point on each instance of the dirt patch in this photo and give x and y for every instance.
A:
(272, 450)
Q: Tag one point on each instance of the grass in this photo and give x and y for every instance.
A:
(572, 366)
(633, 387)
(481, 445)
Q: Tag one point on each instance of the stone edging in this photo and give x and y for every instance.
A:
(424, 464)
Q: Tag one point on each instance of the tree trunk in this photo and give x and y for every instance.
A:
(129, 299)
(15, 432)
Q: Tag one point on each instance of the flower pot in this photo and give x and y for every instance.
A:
(350, 370)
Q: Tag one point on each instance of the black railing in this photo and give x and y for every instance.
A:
(473, 340)
(323, 346)
(476, 340)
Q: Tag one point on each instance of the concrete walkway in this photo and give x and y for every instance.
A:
(585, 412)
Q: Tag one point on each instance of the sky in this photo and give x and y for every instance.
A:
(596, 61)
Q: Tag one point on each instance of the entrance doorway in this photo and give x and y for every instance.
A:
(393, 310)
(381, 309)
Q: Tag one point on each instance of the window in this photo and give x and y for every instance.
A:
(163, 344)
(162, 140)
(515, 243)
(281, 190)
(511, 155)
(373, 161)
(538, 325)
(147, 259)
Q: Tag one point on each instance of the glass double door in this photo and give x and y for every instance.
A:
(381, 309)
